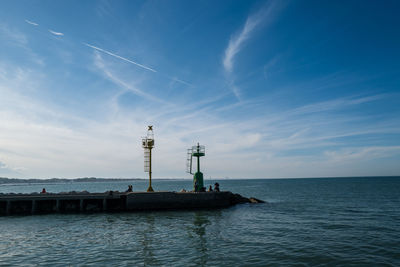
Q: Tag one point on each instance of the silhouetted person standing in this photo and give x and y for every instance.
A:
(216, 187)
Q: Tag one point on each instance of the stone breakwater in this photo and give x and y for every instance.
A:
(73, 202)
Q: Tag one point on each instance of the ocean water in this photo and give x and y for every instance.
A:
(305, 222)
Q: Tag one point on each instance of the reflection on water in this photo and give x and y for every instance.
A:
(198, 235)
(148, 240)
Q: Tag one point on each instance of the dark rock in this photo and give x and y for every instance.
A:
(238, 199)
(256, 200)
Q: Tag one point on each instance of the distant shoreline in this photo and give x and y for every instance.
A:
(4, 180)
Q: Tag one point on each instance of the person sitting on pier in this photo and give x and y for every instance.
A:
(210, 189)
(43, 191)
(130, 188)
(216, 187)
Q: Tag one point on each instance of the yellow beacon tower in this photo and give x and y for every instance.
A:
(148, 144)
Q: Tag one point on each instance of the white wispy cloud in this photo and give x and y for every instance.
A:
(237, 41)
(363, 153)
(11, 34)
(122, 58)
(100, 64)
(31, 22)
(335, 104)
(18, 40)
(56, 33)
(253, 21)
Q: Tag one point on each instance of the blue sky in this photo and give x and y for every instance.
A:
(271, 88)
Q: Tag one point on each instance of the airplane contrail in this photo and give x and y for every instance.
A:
(179, 80)
(56, 33)
(125, 59)
(115, 55)
(31, 22)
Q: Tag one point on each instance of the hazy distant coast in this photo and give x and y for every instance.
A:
(4, 180)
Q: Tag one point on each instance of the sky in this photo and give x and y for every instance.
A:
(272, 89)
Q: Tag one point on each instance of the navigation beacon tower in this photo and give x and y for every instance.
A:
(196, 151)
(148, 144)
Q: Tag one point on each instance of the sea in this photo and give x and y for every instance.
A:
(304, 222)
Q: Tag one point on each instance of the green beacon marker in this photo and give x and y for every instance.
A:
(198, 180)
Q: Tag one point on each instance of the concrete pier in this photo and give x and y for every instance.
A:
(25, 204)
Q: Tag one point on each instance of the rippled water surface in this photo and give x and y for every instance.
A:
(333, 221)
